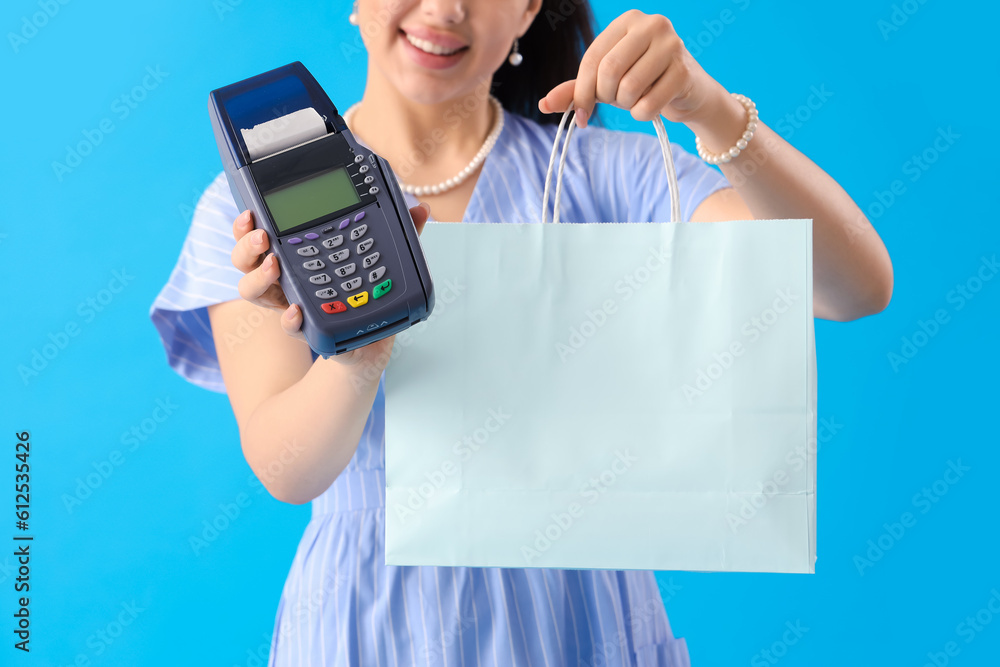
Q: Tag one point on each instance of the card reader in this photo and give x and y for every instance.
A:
(333, 211)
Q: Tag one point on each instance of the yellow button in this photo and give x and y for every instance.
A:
(358, 299)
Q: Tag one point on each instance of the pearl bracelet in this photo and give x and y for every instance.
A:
(726, 156)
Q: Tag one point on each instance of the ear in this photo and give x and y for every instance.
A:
(528, 17)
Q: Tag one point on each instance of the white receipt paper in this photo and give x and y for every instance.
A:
(283, 132)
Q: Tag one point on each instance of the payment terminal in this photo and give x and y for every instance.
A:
(333, 212)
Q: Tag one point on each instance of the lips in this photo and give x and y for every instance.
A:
(432, 50)
(433, 42)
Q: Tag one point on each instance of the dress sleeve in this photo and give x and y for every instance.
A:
(637, 179)
(204, 275)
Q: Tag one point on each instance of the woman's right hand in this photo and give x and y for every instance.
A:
(259, 284)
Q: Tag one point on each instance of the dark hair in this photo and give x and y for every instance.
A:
(552, 48)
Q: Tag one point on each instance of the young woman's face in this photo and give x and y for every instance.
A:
(436, 50)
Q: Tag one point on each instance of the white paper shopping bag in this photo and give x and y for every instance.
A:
(622, 396)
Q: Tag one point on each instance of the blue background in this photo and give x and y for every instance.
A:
(127, 206)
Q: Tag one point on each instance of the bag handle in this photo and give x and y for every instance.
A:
(668, 163)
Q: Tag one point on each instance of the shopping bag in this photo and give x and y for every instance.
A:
(607, 396)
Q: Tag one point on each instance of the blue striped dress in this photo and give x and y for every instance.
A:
(341, 605)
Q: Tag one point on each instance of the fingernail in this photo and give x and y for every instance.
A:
(245, 217)
(424, 205)
(581, 117)
(268, 262)
(258, 237)
(290, 313)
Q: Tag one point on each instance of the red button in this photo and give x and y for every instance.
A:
(334, 307)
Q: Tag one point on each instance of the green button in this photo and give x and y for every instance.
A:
(382, 288)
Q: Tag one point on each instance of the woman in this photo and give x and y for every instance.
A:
(424, 109)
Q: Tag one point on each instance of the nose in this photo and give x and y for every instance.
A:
(443, 12)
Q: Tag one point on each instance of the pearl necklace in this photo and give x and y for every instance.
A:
(466, 171)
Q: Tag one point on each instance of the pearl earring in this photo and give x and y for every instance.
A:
(353, 18)
(515, 57)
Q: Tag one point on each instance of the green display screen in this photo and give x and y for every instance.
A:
(312, 198)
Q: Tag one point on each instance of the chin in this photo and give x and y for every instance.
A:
(428, 90)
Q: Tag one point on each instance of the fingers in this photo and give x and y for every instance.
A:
(558, 99)
(585, 90)
(242, 224)
(680, 90)
(420, 213)
(624, 66)
(661, 93)
(621, 71)
(291, 322)
(250, 246)
(259, 282)
(260, 285)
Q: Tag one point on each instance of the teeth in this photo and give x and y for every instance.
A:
(430, 47)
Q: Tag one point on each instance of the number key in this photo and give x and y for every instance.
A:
(345, 270)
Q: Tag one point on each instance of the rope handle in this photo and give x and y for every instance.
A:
(668, 163)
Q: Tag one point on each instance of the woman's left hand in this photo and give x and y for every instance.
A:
(638, 63)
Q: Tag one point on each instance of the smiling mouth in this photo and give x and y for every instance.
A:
(430, 47)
